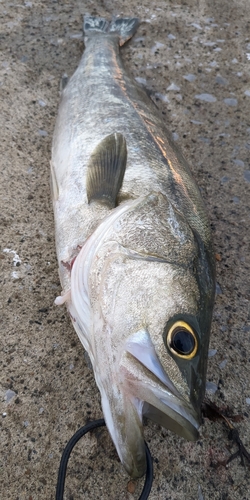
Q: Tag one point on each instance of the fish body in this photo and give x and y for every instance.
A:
(134, 247)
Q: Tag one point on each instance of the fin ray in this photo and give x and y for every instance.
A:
(125, 28)
(106, 170)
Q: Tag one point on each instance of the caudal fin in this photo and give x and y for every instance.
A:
(123, 27)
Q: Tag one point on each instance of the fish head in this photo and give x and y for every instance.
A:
(147, 281)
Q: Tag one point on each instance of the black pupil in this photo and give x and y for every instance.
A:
(183, 342)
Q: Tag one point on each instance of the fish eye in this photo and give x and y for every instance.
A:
(182, 341)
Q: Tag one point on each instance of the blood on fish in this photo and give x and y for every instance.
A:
(70, 263)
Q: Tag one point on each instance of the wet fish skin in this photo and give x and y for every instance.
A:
(129, 273)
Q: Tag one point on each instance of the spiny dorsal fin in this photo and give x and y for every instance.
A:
(106, 170)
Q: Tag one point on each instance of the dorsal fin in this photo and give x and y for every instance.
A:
(106, 170)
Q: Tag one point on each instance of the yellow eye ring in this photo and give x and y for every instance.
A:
(182, 341)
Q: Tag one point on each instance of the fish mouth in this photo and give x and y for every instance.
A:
(159, 399)
(140, 388)
(176, 421)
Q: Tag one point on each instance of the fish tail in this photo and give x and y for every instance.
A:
(123, 27)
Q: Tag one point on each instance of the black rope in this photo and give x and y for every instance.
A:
(69, 447)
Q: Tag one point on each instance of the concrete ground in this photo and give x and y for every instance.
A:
(194, 57)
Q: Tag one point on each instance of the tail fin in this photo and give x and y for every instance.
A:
(123, 27)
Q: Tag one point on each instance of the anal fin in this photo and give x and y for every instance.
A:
(106, 169)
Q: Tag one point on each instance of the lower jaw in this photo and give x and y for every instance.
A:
(175, 423)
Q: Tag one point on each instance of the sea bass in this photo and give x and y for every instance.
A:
(134, 247)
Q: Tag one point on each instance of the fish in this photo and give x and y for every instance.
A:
(134, 247)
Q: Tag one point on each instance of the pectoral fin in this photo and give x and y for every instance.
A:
(106, 170)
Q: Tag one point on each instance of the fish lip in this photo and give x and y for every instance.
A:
(162, 403)
(178, 417)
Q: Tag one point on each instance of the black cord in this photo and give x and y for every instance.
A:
(149, 475)
(69, 447)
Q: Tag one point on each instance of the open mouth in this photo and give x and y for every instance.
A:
(156, 396)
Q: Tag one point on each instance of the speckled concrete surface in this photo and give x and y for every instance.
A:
(194, 57)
